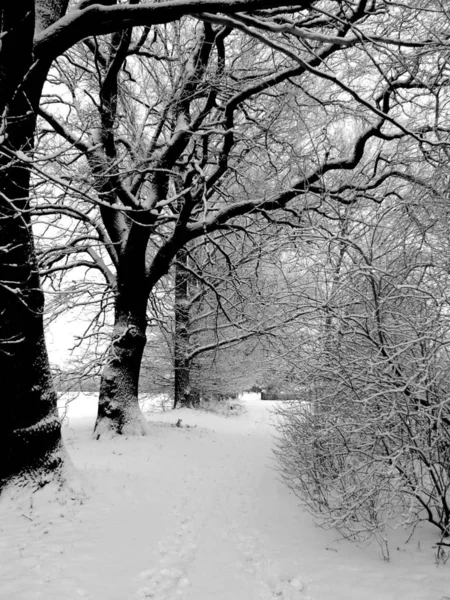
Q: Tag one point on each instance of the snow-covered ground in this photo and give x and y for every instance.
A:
(194, 513)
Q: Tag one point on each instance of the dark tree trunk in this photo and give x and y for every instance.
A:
(30, 433)
(183, 393)
(118, 410)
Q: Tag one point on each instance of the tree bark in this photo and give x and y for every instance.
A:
(183, 394)
(30, 432)
(118, 410)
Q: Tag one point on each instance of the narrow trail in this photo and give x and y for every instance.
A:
(222, 519)
(194, 513)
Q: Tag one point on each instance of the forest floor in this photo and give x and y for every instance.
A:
(195, 512)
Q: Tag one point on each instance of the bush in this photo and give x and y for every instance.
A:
(358, 462)
(368, 442)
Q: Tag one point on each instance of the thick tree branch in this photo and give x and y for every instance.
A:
(101, 20)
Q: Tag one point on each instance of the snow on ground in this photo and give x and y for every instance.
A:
(194, 513)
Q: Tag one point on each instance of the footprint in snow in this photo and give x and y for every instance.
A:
(289, 589)
(163, 584)
(169, 581)
(253, 561)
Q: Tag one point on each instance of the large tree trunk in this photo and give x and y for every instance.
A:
(31, 451)
(118, 410)
(30, 431)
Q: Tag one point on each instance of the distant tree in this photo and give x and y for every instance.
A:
(227, 297)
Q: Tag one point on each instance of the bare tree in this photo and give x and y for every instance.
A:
(33, 34)
(30, 439)
(229, 298)
(202, 151)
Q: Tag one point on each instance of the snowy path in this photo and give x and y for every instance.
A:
(195, 514)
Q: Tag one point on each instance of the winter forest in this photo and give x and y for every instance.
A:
(241, 208)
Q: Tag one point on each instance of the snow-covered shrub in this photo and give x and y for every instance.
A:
(360, 461)
(368, 443)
